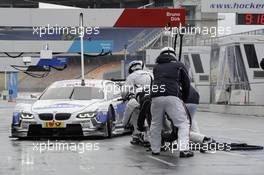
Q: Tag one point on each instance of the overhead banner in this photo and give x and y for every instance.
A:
(94, 46)
(41, 18)
(233, 6)
(151, 18)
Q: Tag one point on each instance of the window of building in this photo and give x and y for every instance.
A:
(197, 63)
(162, 3)
(187, 64)
(251, 56)
(258, 74)
(190, 12)
(190, 17)
(204, 77)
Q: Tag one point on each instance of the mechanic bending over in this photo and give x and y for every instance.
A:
(137, 81)
(173, 75)
(191, 104)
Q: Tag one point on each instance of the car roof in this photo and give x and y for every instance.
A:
(77, 83)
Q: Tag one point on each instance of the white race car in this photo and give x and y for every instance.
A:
(67, 109)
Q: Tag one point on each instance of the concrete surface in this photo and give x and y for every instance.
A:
(116, 156)
(249, 110)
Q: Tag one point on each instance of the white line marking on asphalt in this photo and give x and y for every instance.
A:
(155, 158)
(162, 161)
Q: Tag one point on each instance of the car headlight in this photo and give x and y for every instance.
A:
(27, 116)
(87, 115)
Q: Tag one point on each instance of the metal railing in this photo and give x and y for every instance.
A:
(144, 42)
(193, 40)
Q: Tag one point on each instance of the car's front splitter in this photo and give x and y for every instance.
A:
(70, 131)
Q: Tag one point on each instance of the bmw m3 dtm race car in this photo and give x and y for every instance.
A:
(68, 109)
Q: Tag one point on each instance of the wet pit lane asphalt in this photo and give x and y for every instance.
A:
(117, 156)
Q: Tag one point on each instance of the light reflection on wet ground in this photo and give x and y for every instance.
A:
(117, 156)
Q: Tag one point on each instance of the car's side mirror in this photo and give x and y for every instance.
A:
(262, 64)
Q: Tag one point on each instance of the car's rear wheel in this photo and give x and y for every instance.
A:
(109, 122)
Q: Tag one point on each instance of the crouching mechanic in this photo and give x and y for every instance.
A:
(191, 103)
(137, 81)
(172, 76)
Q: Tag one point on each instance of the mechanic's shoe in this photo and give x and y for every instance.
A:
(208, 140)
(135, 139)
(141, 138)
(146, 144)
(186, 154)
(165, 148)
(149, 149)
(134, 142)
(209, 143)
(155, 154)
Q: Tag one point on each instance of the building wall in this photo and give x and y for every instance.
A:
(194, 16)
(18, 4)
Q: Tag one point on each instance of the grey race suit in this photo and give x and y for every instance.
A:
(173, 76)
(135, 82)
(191, 104)
(174, 108)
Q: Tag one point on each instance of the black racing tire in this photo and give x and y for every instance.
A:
(14, 133)
(144, 114)
(109, 122)
(173, 135)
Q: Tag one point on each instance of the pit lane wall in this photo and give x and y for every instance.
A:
(249, 110)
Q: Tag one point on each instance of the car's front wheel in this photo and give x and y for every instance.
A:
(109, 122)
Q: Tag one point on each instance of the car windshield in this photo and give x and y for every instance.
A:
(73, 93)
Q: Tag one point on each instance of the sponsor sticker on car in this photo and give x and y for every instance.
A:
(53, 125)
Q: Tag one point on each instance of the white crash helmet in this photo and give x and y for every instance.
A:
(168, 51)
(135, 65)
